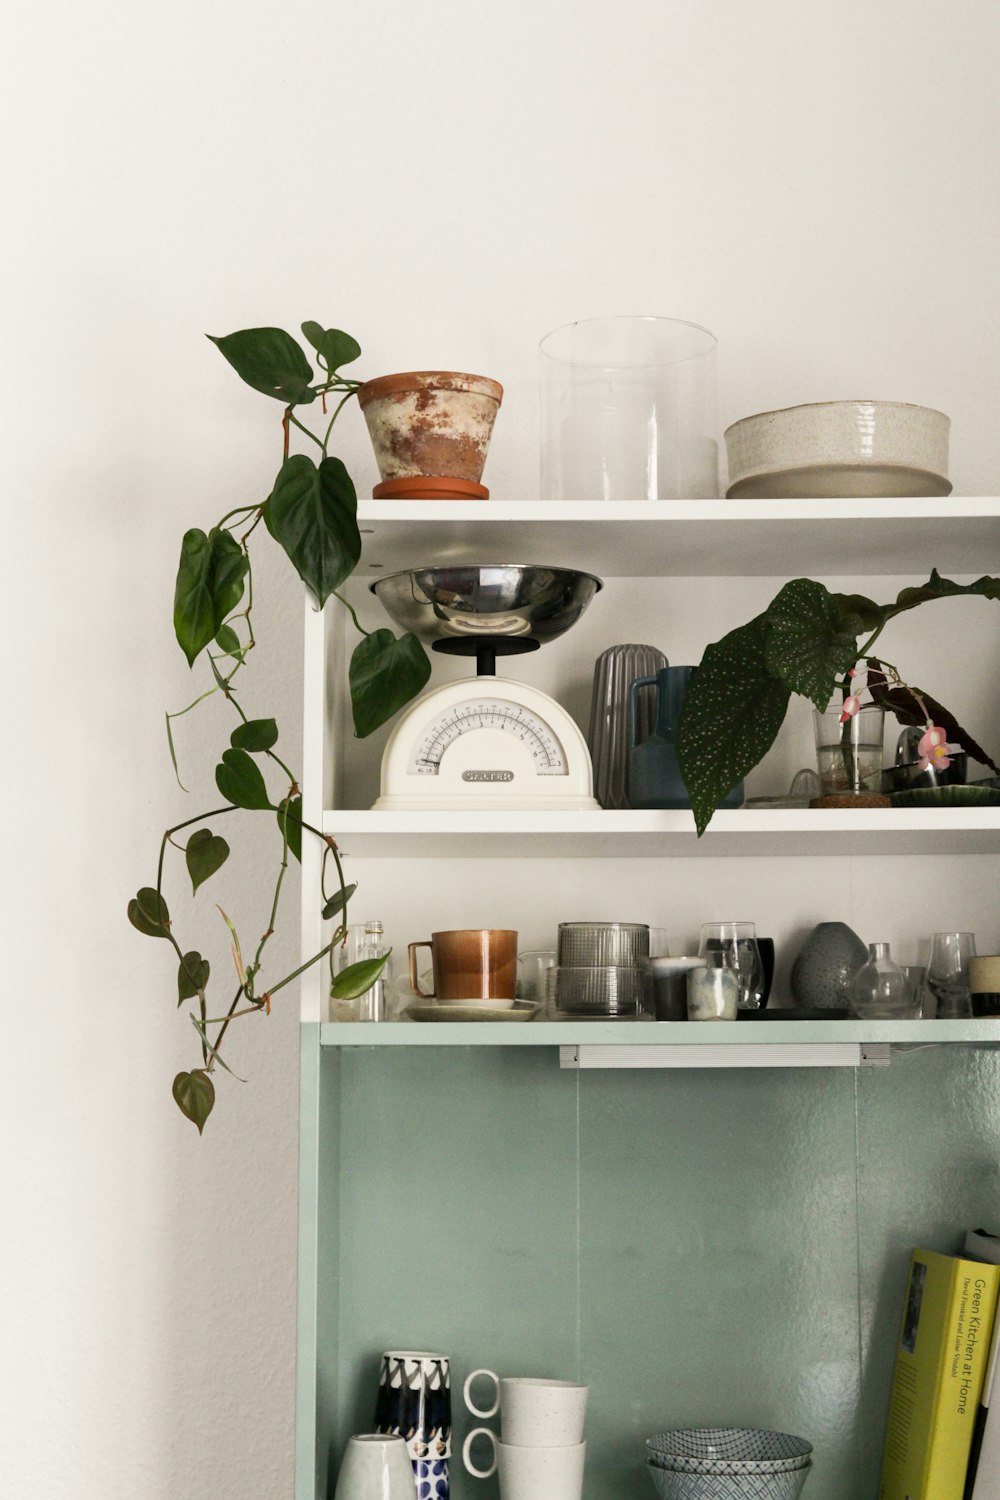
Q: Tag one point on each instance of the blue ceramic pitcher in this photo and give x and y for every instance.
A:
(654, 777)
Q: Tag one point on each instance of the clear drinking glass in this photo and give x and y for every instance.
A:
(948, 973)
(917, 976)
(849, 755)
(628, 411)
(738, 941)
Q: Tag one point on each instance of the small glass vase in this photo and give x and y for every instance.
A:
(849, 755)
(880, 991)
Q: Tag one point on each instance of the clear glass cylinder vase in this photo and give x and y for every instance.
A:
(849, 755)
(629, 411)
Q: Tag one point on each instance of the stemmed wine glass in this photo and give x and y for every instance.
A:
(738, 940)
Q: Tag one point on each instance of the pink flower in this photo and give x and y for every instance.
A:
(851, 706)
(932, 749)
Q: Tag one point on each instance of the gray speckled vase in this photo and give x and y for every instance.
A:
(829, 957)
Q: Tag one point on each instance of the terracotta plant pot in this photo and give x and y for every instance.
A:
(430, 424)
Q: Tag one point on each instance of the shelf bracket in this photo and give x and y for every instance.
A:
(731, 1055)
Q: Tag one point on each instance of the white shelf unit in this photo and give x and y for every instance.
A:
(689, 1179)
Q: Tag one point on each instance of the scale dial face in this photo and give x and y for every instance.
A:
(486, 743)
(495, 713)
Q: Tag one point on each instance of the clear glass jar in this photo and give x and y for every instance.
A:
(880, 991)
(628, 411)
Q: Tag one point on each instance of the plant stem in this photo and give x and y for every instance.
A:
(215, 813)
(350, 610)
(293, 418)
(340, 404)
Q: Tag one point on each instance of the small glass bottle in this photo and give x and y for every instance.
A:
(880, 991)
(372, 1005)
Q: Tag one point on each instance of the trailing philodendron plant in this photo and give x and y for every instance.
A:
(311, 513)
(807, 641)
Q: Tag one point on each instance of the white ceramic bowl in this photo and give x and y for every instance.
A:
(839, 448)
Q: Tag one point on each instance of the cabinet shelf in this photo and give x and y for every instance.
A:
(698, 538)
(751, 832)
(672, 1036)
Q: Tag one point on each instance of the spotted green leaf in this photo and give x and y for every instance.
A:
(733, 708)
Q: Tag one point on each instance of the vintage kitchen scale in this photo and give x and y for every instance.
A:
(486, 742)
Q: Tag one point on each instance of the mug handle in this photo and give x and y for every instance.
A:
(414, 979)
(466, 1446)
(492, 1411)
(633, 709)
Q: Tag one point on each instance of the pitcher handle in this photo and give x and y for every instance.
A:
(633, 709)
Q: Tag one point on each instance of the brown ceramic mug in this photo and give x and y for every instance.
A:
(477, 963)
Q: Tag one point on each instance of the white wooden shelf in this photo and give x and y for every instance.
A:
(697, 538)
(751, 832)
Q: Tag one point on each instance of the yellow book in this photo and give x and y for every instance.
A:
(944, 1341)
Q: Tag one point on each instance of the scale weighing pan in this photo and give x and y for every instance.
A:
(483, 742)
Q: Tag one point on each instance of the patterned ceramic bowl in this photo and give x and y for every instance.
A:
(673, 1485)
(724, 1450)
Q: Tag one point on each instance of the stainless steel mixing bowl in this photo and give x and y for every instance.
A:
(489, 599)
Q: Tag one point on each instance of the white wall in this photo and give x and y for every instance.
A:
(816, 182)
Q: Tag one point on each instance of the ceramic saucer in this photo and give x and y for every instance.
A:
(522, 1010)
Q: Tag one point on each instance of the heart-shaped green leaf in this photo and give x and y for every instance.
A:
(192, 976)
(290, 815)
(733, 708)
(357, 978)
(228, 641)
(338, 902)
(808, 644)
(240, 782)
(334, 347)
(206, 852)
(255, 734)
(148, 913)
(194, 1094)
(209, 586)
(312, 514)
(384, 674)
(271, 361)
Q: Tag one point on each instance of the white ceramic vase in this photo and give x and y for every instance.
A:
(375, 1467)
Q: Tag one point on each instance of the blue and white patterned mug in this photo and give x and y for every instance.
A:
(414, 1403)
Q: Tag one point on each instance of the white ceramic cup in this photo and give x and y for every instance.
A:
(533, 1413)
(529, 1473)
(376, 1467)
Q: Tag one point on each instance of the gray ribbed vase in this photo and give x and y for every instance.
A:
(830, 956)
